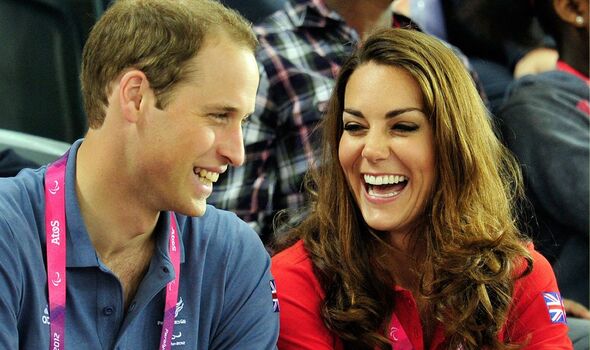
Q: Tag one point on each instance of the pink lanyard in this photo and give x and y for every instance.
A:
(55, 231)
(397, 335)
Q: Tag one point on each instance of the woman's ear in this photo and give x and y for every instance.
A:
(573, 12)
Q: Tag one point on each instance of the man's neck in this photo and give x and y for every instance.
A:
(363, 15)
(116, 218)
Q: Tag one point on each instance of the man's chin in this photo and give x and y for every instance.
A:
(199, 208)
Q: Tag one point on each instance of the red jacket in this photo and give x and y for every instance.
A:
(301, 327)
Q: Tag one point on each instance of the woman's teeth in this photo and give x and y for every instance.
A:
(384, 179)
(384, 186)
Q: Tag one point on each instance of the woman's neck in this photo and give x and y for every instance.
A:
(405, 255)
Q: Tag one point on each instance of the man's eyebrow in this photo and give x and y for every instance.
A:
(221, 107)
(228, 109)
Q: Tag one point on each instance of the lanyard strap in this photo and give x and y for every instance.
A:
(55, 235)
(397, 335)
(55, 242)
(171, 287)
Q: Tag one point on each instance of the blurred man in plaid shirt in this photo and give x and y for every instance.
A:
(302, 47)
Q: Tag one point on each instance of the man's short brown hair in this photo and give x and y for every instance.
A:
(158, 37)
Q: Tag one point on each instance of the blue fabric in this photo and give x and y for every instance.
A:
(224, 301)
(549, 134)
(11, 163)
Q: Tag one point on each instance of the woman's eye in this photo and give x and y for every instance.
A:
(403, 127)
(352, 127)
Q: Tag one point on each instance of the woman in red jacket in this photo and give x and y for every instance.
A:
(411, 242)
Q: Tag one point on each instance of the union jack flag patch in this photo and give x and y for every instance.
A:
(275, 298)
(555, 307)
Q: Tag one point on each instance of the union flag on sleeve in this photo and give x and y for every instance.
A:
(275, 298)
(555, 307)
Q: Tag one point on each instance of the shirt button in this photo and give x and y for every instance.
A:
(132, 306)
(165, 269)
(107, 311)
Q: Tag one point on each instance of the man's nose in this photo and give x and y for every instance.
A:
(232, 146)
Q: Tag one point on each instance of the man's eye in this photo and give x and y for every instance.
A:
(220, 116)
(245, 119)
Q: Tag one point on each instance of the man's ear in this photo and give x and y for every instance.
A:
(571, 11)
(133, 87)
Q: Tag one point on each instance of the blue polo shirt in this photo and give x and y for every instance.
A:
(224, 301)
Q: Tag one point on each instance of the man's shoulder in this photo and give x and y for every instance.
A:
(290, 29)
(224, 230)
(285, 20)
(278, 36)
(21, 215)
(278, 22)
(21, 197)
(223, 243)
(546, 88)
(27, 178)
(544, 96)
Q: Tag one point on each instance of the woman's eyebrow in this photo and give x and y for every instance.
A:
(391, 114)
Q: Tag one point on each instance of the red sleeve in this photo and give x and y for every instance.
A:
(300, 294)
(537, 317)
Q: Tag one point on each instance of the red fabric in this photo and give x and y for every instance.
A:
(583, 105)
(300, 295)
(562, 66)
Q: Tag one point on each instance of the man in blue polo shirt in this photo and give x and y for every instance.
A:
(113, 246)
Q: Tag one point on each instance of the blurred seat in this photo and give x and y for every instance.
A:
(40, 55)
(40, 150)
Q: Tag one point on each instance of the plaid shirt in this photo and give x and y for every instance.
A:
(301, 50)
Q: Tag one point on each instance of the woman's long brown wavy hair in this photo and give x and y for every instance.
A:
(473, 250)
